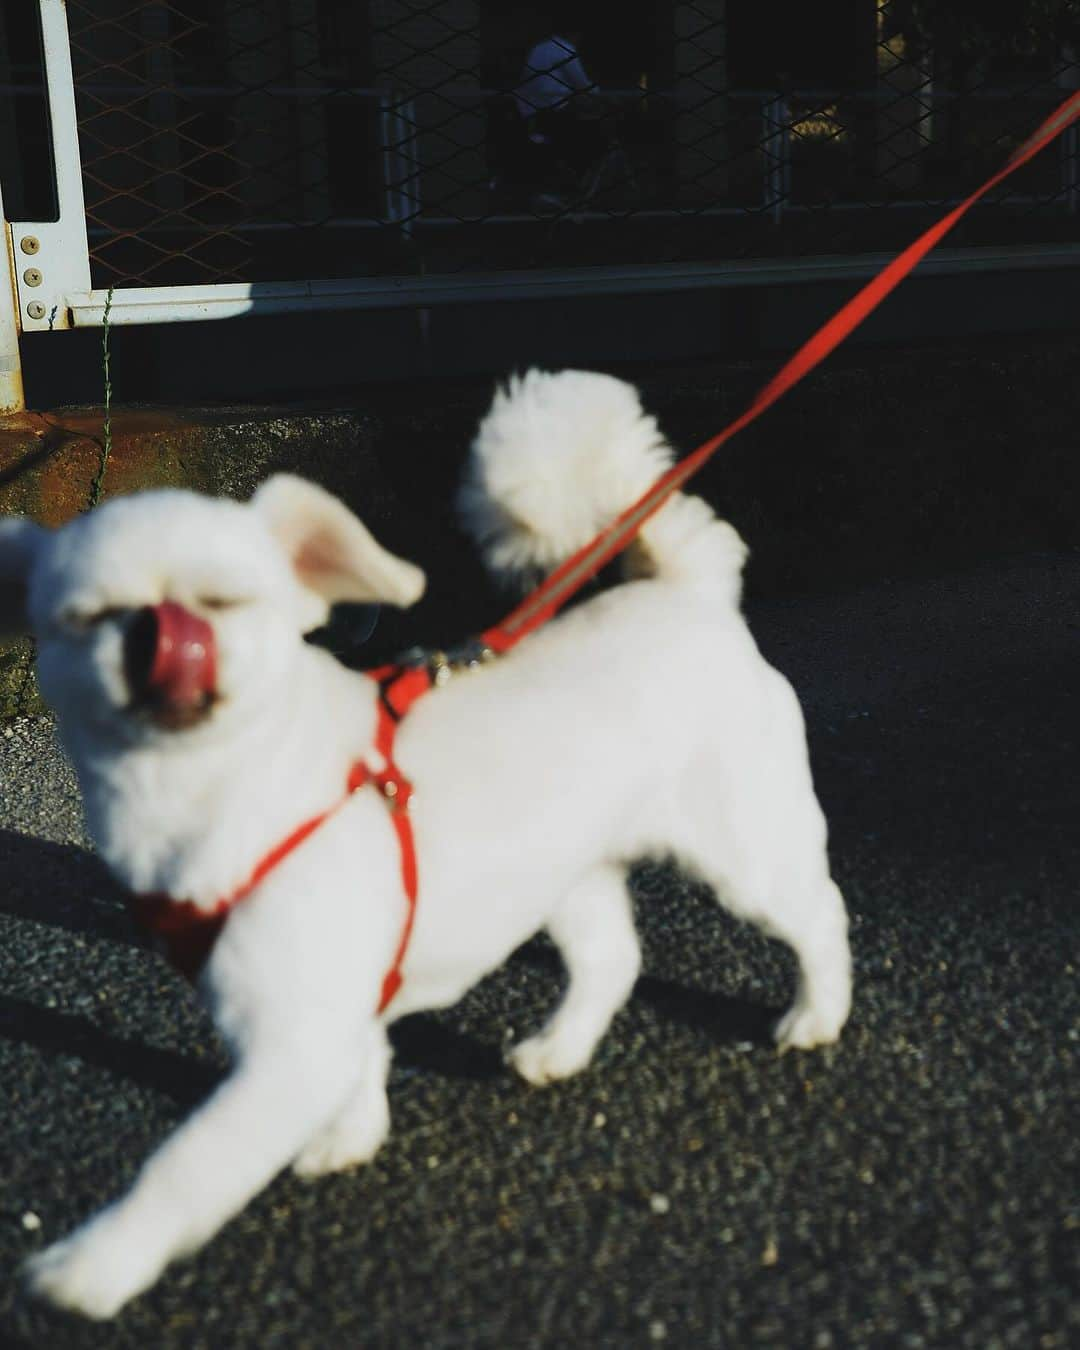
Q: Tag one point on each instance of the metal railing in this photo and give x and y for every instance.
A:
(216, 157)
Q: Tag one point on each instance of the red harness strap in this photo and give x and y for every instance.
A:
(399, 688)
(188, 932)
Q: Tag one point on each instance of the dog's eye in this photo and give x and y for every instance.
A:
(221, 601)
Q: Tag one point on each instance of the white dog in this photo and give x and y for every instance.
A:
(644, 721)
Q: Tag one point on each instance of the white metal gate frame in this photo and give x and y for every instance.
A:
(48, 261)
(11, 385)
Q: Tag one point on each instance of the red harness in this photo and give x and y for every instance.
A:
(188, 932)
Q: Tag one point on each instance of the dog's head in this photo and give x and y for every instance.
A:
(164, 611)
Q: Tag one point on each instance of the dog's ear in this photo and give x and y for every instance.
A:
(331, 552)
(19, 541)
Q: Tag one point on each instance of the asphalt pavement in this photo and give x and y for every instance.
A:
(917, 1185)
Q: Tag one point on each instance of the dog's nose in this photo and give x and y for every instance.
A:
(170, 662)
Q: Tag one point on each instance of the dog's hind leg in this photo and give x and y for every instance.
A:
(768, 866)
(594, 931)
(360, 1128)
(808, 915)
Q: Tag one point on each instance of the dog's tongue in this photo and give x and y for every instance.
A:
(182, 669)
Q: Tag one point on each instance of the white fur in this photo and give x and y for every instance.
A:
(644, 721)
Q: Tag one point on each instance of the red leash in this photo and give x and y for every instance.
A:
(189, 932)
(544, 602)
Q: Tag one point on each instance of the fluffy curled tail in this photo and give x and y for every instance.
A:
(558, 457)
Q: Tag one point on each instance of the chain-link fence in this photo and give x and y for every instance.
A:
(240, 140)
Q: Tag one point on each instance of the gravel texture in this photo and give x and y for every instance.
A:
(914, 1186)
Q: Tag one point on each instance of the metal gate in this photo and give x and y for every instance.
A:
(199, 159)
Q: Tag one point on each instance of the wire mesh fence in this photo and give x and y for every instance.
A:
(238, 140)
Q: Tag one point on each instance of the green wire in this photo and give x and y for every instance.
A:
(106, 426)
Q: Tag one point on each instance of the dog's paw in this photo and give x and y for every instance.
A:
(335, 1151)
(349, 1141)
(95, 1271)
(545, 1058)
(804, 1026)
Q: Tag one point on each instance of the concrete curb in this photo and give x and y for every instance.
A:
(882, 464)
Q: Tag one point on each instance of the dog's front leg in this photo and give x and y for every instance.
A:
(358, 1130)
(253, 1125)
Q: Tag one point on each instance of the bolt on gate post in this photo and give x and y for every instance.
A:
(49, 258)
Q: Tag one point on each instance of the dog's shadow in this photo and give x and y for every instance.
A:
(430, 1043)
(63, 886)
(722, 1017)
(184, 1080)
(725, 1018)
